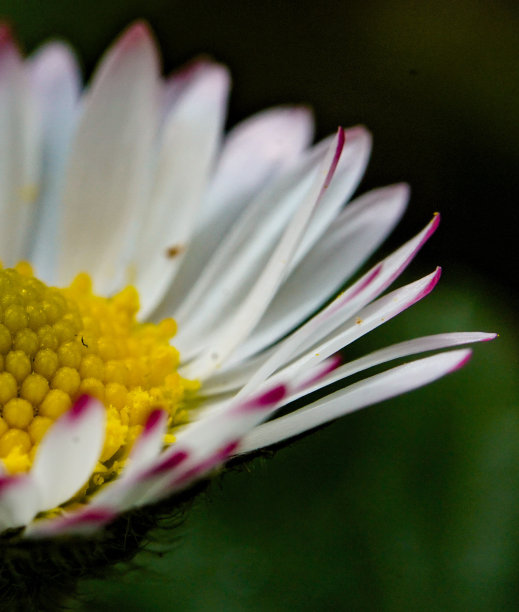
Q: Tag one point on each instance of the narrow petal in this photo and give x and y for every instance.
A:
(367, 288)
(69, 452)
(375, 314)
(205, 445)
(193, 454)
(350, 169)
(395, 351)
(359, 395)
(82, 522)
(230, 273)
(109, 162)
(237, 328)
(349, 241)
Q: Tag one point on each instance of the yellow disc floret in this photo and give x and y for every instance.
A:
(57, 344)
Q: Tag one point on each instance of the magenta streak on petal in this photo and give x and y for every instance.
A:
(492, 337)
(428, 288)
(430, 231)
(186, 73)
(340, 145)
(265, 400)
(91, 516)
(328, 367)
(133, 36)
(364, 282)
(88, 517)
(154, 420)
(79, 408)
(6, 482)
(205, 466)
(169, 463)
(350, 293)
(6, 37)
(7, 44)
(462, 363)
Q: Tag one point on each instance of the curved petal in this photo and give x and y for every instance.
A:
(396, 351)
(359, 395)
(244, 251)
(69, 452)
(366, 289)
(346, 245)
(238, 326)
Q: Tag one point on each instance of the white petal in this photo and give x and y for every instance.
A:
(19, 501)
(396, 351)
(55, 80)
(367, 288)
(244, 252)
(191, 136)
(359, 395)
(109, 162)
(239, 325)
(19, 153)
(199, 447)
(254, 154)
(346, 245)
(204, 445)
(69, 452)
(375, 314)
(350, 169)
(83, 521)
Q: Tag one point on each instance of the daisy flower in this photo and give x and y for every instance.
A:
(161, 279)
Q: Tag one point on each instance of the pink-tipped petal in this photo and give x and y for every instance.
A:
(69, 452)
(254, 155)
(363, 291)
(396, 351)
(84, 521)
(149, 444)
(364, 321)
(344, 247)
(238, 326)
(359, 395)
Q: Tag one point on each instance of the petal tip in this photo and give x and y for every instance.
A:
(463, 361)
(136, 34)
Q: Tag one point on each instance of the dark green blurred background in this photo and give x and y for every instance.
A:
(414, 504)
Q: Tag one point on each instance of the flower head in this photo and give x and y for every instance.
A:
(132, 208)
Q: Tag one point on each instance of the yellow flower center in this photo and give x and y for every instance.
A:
(57, 344)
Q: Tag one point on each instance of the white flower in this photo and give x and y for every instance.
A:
(240, 237)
